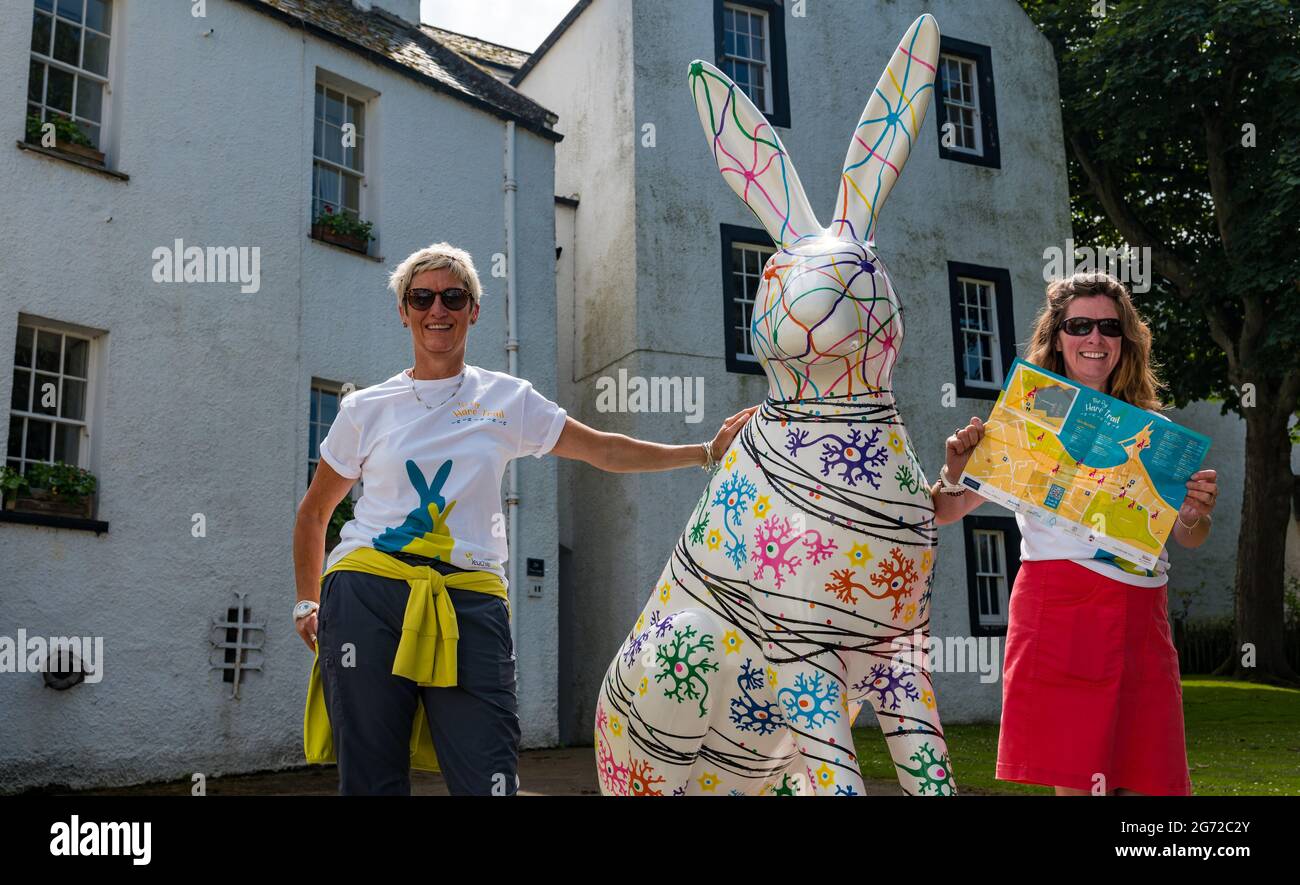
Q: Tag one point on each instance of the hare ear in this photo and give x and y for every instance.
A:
(438, 481)
(416, 476)
(889, 126)
(750, 156)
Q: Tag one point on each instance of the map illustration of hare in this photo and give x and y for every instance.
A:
(800, 589)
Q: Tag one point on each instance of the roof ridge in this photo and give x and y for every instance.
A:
(523, 52)
(487, 82)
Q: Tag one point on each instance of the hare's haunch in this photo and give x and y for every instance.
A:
(801, 587)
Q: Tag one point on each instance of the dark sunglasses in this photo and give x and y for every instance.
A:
(422, 299)
(1080, 326)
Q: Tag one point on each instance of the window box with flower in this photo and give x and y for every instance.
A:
(342, 229)
(56, 489)
(68, 138)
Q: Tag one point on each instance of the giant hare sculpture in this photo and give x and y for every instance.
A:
(800, 590)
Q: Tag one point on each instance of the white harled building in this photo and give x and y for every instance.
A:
(660, 262)
(198, 406)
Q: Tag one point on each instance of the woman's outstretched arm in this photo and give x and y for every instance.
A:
(618, 453)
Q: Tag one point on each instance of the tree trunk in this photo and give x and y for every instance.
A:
(1261, 548)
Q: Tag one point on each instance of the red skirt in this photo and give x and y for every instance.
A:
(1090, 684)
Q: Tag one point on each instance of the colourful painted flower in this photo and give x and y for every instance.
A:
(859, 555)
(616, 726)
(640, 622)
(708, 781)
(771, 676)
(644, 687)
(895, 442)
(761, 506)
(665, 592)
(731, 459)
(825, 776)
(731, 641)
(909, 612)
(927, 560)
(715, 539)
(927, 698)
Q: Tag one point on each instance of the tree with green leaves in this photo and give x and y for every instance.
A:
(1182, 128)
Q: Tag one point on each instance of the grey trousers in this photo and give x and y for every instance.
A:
(475, 724)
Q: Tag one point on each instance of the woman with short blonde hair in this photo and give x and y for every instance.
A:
(415, 664)
(438, 256)
(1091, 692)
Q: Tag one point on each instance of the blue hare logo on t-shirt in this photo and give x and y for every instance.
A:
(425, 530)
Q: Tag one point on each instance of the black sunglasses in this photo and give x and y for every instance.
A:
(1080, 326)
(422, 299)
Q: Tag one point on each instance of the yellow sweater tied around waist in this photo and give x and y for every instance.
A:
(426, 653)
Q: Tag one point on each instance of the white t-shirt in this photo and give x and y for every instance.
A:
(431, 480)
(1040, 541)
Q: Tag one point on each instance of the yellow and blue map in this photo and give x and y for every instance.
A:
(1093, 466)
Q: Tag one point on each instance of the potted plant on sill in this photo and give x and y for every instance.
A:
(68, 138)
(56, 489)
(343, 229)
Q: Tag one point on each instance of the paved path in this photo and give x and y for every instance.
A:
(569, 771)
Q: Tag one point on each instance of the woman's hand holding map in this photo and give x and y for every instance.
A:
(959, 446)
(1193, 525)
(948, 506)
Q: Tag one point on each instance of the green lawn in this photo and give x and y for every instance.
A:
(1243, 739)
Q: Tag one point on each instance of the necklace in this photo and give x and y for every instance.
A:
(444, 402)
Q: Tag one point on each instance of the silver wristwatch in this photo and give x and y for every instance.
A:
(304, 608)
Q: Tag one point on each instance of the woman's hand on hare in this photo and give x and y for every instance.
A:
(959, 446)
(726, 433)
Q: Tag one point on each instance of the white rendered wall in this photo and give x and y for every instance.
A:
(586, 78)
(206, 389)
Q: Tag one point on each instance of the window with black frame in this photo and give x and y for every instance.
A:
(983, 334)
(965, 104)
(992, 561)
(750, 48)
(744, 253)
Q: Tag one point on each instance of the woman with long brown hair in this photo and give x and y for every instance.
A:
(1091, 694)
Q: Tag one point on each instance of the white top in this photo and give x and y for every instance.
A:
(431, 480)
(1039, 541)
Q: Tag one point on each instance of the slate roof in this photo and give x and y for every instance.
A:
(387, 40)
(500, 61)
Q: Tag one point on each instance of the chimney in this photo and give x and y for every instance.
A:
(406, 9)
